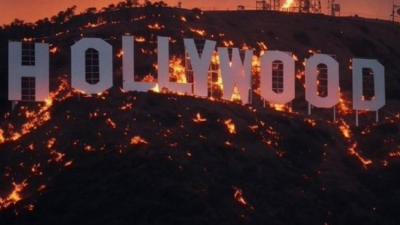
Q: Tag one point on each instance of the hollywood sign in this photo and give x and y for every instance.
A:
(234, 72)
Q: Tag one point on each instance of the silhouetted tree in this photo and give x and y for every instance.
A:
(160, 4)
(17, 23)
(64, 16)
(91, 10)
(147, 3)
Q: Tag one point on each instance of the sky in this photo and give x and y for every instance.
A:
(32, 10)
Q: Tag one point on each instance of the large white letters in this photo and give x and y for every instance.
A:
(200, 64)
(39, 70)
(267, 93)
(163, 69)
(78, 65)
(379, 85)
(235, 73)
(128, 67)
(333, 96)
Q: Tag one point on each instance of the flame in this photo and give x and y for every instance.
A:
(111, 123)
(50, 143)
(177, 70)
(2, 139)
(238, 196)
(199, 119)
(231, 126)
(37, 118)
(353, 151)
(138, 140)
(287, 4)
(311, 122)
(345, 129)
(280, 108)
(53, 50)
(120, 53)
(198, 31)
(155, 26)
(68, 163)
(14, 196)
(140, 39)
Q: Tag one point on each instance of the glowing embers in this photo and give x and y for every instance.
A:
(155, 26)
(200, 32)
(346, 131)
(199, 119)
(353, 151)
(238, 196)
(14, 196)
(36, 118)
(231, 126)
(280, 108)
(288, 4)
(138, 140)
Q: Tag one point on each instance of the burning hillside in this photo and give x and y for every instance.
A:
(161, 158)
(170, 158)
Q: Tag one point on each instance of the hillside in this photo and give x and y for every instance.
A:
(161, 158)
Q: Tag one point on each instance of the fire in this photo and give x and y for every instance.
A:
(53, 50)
(345, 129)
(111, 123)
(199, 119)
(120, 53)
(138, 140)
(287, 4)
(238, 196)
(68, 163)
(2, 139)
(177, 70)
(50, 143)
(353, 151)
(198, 31)
(280, 108)
(155, 26)
(231, 126)
(15, 195)
(140, 39)
(343, 105)
(37, 118)
(311, 122)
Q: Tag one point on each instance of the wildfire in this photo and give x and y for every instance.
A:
(111, 123)
(15, 195)
(345, 129)
(199, 119)
(231, 126)
(238, 196)
(138, 140)
(353, 151)
(279, 107)
(287, 4)
(50, 143)
(2, 139)
(198, 31)
(140, 39)
(155, 26)
(177, 70)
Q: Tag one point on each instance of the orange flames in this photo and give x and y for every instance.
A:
(138, 140)
(231, 127)
(199, 119)
(287, 4)
(14, 196)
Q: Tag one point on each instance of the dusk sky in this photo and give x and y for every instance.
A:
(32, 10)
